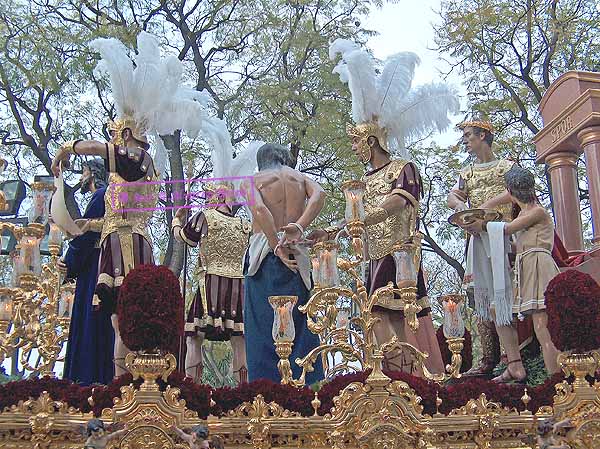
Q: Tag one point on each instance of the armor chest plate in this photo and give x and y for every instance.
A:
(384, 236)
(222, 249)
(484, 183)
(123, 195)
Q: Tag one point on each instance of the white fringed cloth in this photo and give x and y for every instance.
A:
(492, 276)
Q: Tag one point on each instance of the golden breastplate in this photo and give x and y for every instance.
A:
(484, 183)
(383, 237)
(222, 250)
(122, 195)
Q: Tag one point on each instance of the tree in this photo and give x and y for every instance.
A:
(509, 52)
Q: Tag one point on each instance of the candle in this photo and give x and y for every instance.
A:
(354, 192)
(354, 203)
(327, 255)
(283, 324)
(55, 236)
(5, 308)
(316, 267)
(27, 254)
(453, 322)
(65, 305)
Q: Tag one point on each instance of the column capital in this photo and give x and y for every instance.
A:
(562, 159)
(589, 135)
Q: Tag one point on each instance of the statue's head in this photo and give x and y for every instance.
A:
(93, 172)
(95, 427)
(477, 135)
(125, 130)
(366, 138)
(273, 155)
(200, 432)
(520, 183)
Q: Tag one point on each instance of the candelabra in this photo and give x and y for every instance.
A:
(36, 308)
(454, 330)
(352, 341)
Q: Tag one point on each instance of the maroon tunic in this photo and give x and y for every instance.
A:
(224, 296)
(382, 271)
(111, 266)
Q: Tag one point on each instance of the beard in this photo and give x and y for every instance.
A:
(86, 184)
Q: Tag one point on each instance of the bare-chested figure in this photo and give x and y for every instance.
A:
(198, 439)
(283, 202)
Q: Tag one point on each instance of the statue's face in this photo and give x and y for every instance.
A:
(472, 141)
(86, 180)
(361, 148)
(98, 433)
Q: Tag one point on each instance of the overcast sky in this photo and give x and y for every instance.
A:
(409, 28)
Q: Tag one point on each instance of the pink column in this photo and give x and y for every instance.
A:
(563, 175)
(590, 141)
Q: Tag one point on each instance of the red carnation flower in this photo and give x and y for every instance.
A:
(573, 307)
(150, 309)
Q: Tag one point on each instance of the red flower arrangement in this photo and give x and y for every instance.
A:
(198, 397)
(467, 352)
(150, 309)
(573, 307)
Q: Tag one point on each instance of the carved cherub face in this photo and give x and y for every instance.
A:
(98, 433)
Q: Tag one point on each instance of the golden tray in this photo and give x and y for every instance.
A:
(468, 216)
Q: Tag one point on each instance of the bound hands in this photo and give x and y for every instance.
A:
(285, 252)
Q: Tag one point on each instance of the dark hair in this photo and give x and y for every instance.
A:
(521, 184)
(93, 425)
(98, 170)
(200, 431)
(488, 137)
(271, 155)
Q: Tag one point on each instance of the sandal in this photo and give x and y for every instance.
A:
(506, 377)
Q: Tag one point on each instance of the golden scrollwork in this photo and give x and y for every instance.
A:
(35, 325)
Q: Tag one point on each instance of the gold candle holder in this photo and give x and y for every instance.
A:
(283, 333)
(454, 331)
(354, 192)
(327, 254)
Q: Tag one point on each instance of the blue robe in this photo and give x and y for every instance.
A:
(274, 278)
(90, 347)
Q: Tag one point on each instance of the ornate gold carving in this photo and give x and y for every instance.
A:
(150, 366)
(35, 324)
(222, 251)
(122, 195)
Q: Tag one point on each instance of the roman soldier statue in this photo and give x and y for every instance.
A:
(386, 112)
(216, 313)
(149, 101)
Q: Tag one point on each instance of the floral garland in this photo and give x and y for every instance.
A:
(150, 309)
(467, 352)
(96, 398)
(573, 307)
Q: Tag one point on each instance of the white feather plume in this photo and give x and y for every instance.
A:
(215, 131)
(395, 80)
(357, 68)
(423, 110)
(405, 112)
(151, 92)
